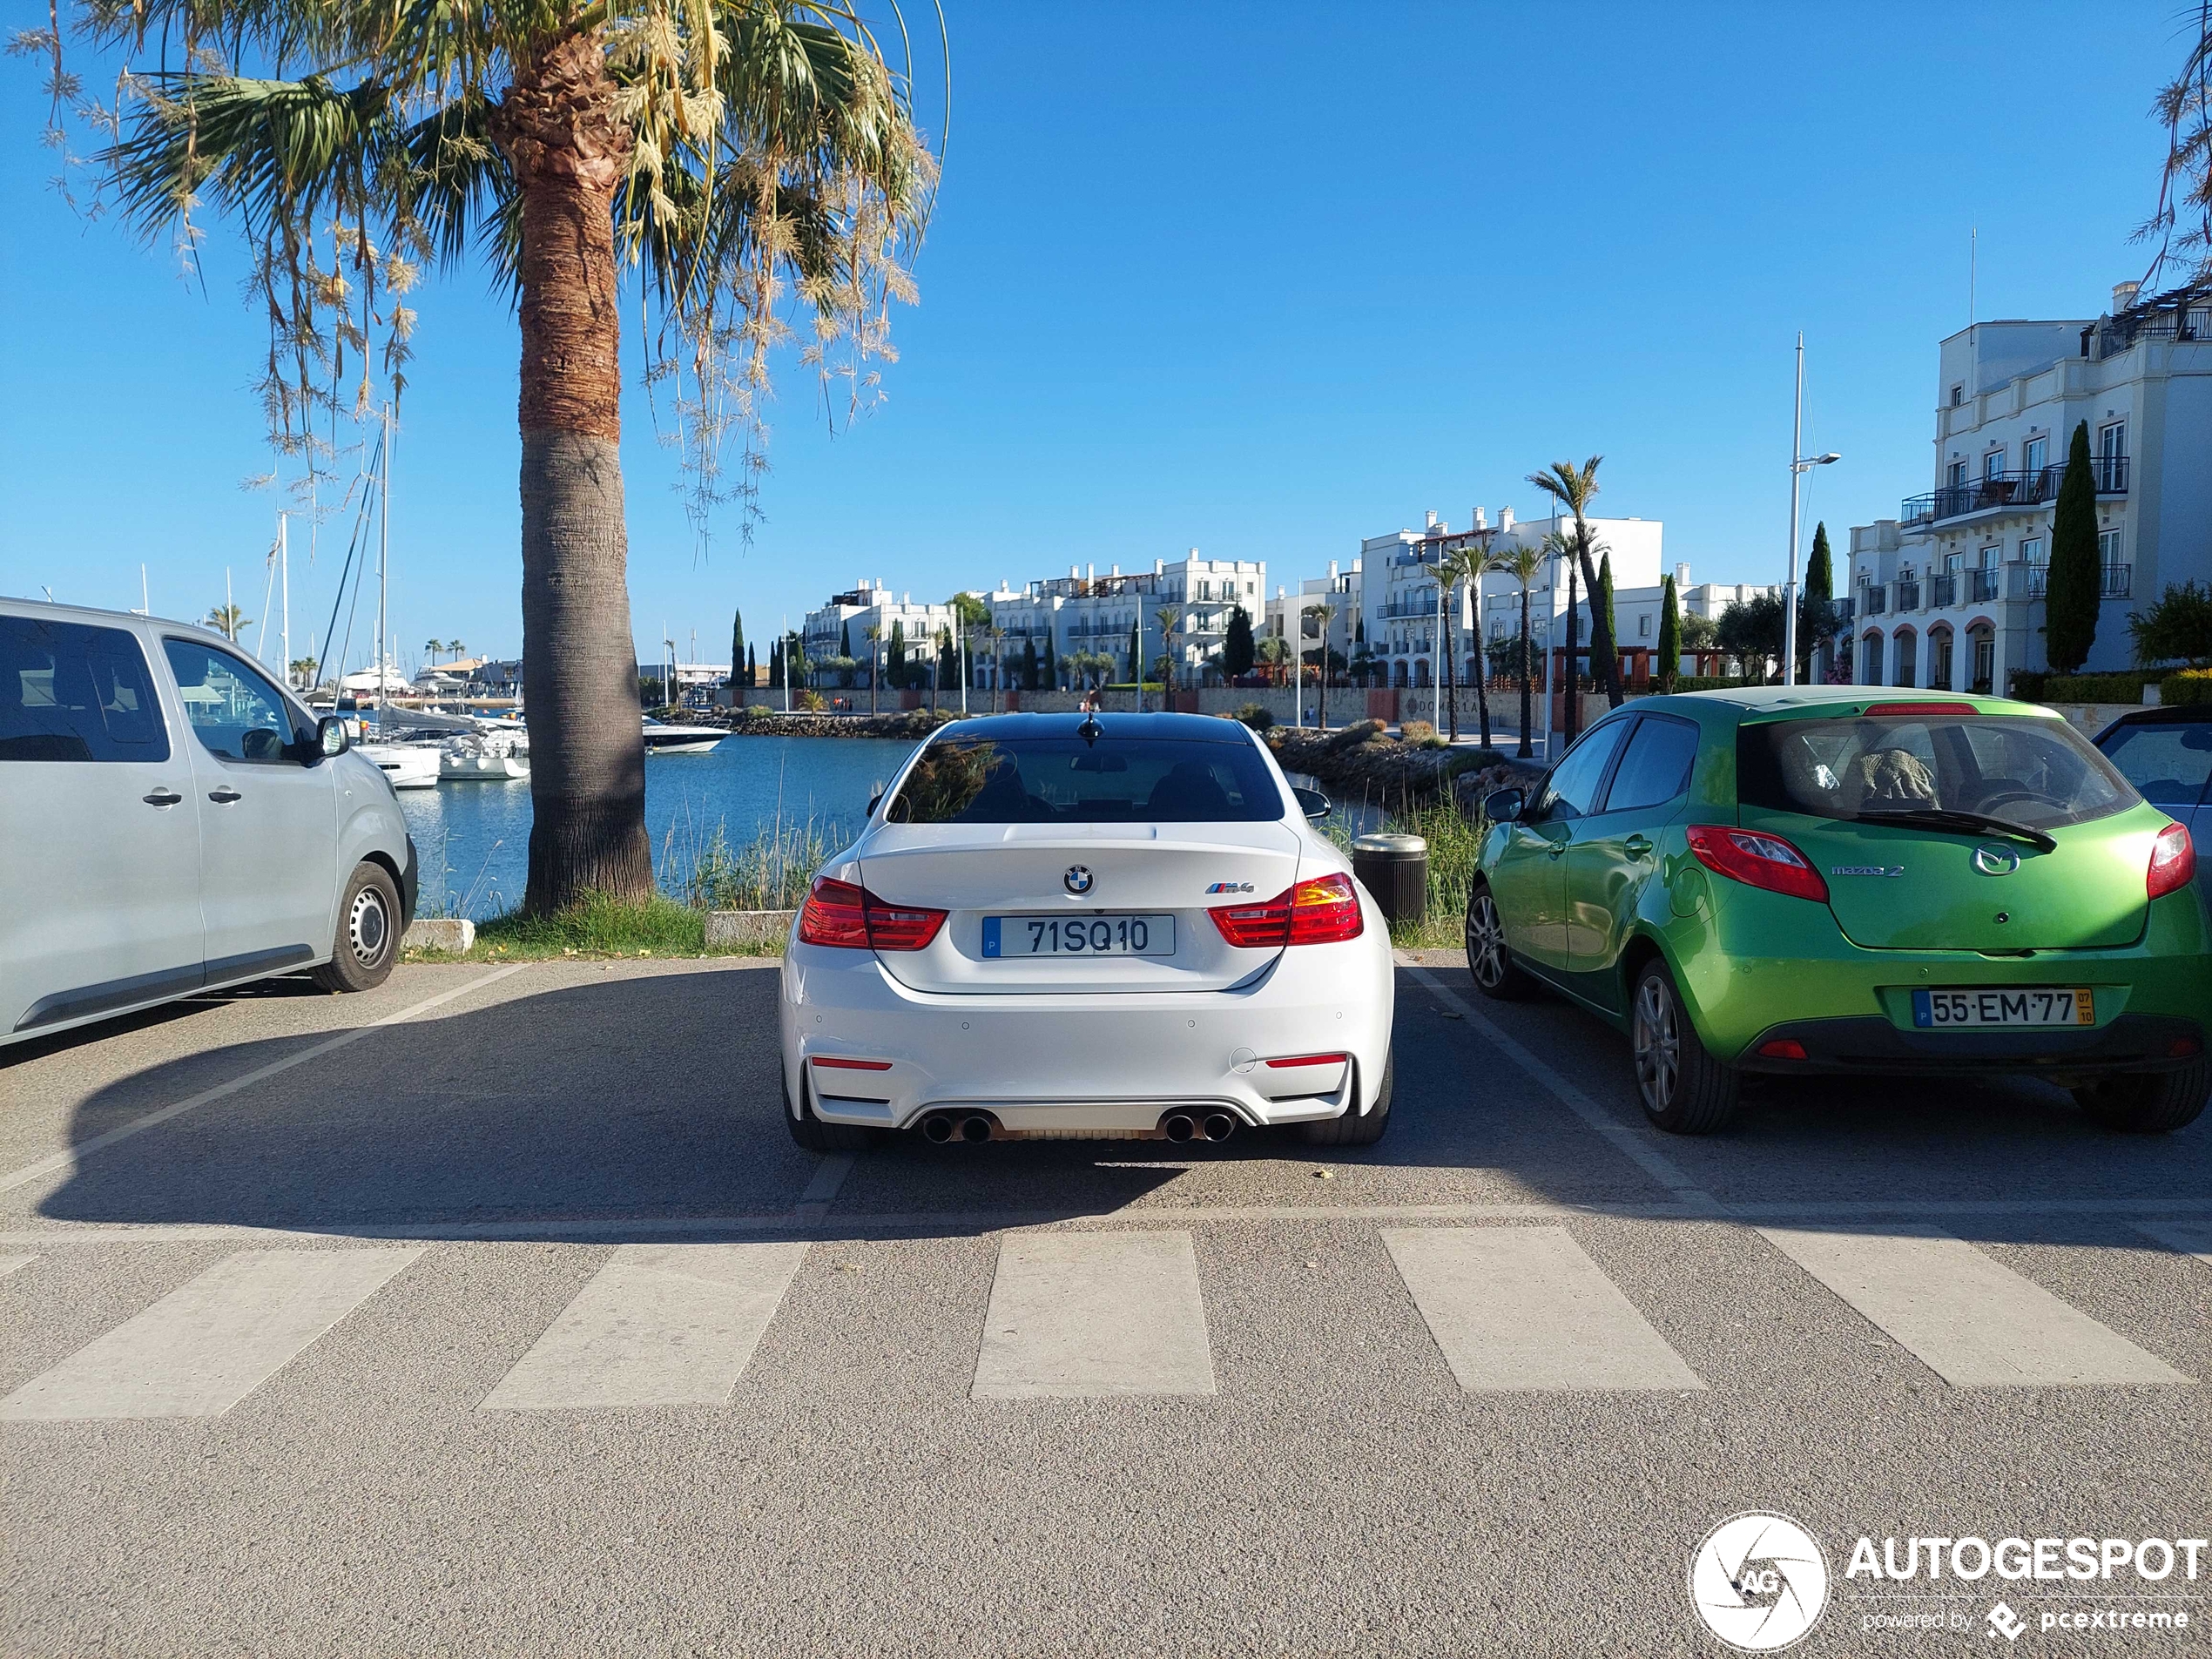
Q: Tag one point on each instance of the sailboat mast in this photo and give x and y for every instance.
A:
(284, 577)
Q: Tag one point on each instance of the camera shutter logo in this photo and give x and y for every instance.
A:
(1759, 1582)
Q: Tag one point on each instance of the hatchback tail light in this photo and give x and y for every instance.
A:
(1323, 911)
(1757, 859)
(838, 913)
(2173, 861)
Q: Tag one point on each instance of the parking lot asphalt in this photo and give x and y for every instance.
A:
(495, 1312)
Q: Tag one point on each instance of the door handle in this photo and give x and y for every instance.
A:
(1558, 849)
(1638, 845)
(163, 796)
(225, 795)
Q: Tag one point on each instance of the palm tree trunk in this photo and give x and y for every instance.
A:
(1448, 659)
(1528, 674)
(556, 124)
(1605, 661)
(1482, 680)
(1573, 708)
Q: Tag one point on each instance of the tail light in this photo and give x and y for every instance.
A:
(850, 918)
(1757, 859)
(1323, 911)
(2173, 861)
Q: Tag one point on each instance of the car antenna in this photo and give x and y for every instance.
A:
(1090, 730)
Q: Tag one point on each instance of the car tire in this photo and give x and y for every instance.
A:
(1496, 974)
(1684, 1090)
(815, 1135)
(2148, 1103)
(368, 942)
(1356, 1128)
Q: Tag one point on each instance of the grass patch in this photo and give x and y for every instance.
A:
(600, 929)
(1454, 843)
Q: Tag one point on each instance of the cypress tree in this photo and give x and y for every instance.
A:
(736, 642)
(1051, 666)
(1816, 606)
(1236, 650)
(1605, 585)
(1670, 633)
(2071, 595)
(1136, 668)
(894, 665)
(845, 639)
(776, 667)
(752, 667)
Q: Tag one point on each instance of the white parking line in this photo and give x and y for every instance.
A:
(1525, 1308)
(2191, 1238)
(207, 1345)
(659, 1325)
(1074, 1315)
(1624, 1140)
(83, 1149)
(13, 1264)
(814, 1203)
(1969, 1319)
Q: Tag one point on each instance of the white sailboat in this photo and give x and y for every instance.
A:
(405, 766)
(665, 739)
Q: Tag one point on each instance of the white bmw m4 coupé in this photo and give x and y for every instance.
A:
(1111, 925)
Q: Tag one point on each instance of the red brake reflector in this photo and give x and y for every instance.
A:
(1782, 1048)
(2182, 1048)
(838, 913)
(852, 1065)
(2173, 862)
(1311, 1060)
(1922, 708)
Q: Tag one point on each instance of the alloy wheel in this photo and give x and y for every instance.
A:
(368, 927)
(1658, 1044)
(1486, 942)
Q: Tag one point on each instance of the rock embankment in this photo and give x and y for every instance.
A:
(1359, 762)
(767, 722)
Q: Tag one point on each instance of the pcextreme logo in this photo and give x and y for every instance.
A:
(1759, 1582)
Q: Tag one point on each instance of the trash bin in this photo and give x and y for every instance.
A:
(1395, 869)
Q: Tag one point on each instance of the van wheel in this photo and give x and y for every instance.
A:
(1685, 1090)
(1496, 974)
(369, 933)
(1354, 1130)
(817, 1136)
(2148, 1103)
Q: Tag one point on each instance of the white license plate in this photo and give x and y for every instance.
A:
(1078, 936)
(1949, 1011)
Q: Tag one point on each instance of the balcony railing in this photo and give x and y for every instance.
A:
(2031, 581)
(1877, 600)
(1408, 608)
(2109, 473)
(1908, 597)
(1842, 609)
(1943, 591)
(1982, 585)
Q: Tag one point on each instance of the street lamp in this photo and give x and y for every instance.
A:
(1799, 465)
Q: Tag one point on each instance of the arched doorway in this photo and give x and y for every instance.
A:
(1939, 653)
(1907, 645)
(1397, 674)
(1869, 658)
(1981, 654)
(1420, 673)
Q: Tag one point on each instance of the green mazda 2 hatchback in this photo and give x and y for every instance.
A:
(1842, 880)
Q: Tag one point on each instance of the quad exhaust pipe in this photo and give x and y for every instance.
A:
(941, 1128)
(1185, 1126)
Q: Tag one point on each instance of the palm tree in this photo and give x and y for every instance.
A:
(454, 648)
(726, 152)
(1464, 566)
(1272, 651)
(229, 620)
(304, 670)
(1322, 612)
(1169, 617)
(1575, 487)
(1523, 564)
(430, 648)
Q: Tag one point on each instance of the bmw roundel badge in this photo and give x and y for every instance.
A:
(1077, 881)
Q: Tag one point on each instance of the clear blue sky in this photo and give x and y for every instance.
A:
(1259, 280)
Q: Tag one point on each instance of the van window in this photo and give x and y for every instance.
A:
(73, 692)
(234, 712)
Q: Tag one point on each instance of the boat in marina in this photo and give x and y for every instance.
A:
(483, 756)
(663, 739)
(406, 766)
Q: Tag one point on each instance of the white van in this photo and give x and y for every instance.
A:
(172, 821)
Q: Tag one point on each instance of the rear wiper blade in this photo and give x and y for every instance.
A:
(1963, 823)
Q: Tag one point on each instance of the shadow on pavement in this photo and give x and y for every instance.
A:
(655, 1099)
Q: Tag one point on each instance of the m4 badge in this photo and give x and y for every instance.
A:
(1230, 886)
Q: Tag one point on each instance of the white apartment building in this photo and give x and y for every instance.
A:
(1949, 594)
(1095, 615)
(1340, 590)
(848, 616)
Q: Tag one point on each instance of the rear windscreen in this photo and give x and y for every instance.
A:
(1065, 780)
(2036, 772)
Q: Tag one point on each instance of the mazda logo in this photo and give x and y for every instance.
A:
(1996, 861)
(1077, 881)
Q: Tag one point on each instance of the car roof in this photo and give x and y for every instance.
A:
(1180, 728)
(1756, 703)
(93, 615)
(2180, 714)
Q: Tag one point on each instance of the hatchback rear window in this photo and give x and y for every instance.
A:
(1065, 780)
(2035, 773)
(2171, 765)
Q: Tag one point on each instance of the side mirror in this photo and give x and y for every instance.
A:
(1504, 805)
(874, 801)
(1311, 802)
(330, 736)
